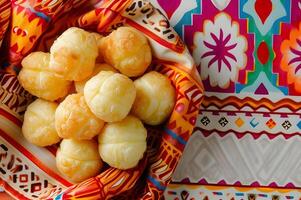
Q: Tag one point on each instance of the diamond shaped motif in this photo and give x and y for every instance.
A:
(299, 125)
(239, 122)
(223, 121)
(271, 123)
(286, 125)
(205, 121)
(253, 123)
(204, 160)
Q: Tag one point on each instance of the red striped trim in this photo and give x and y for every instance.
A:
(109, 16)
(11, 191)
(36, 161)
(11, 117)
(154, 36)
(179, 69)
(118, 5)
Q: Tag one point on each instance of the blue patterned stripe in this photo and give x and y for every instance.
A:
(156, 183)
(175, 136)
(41, 15)
(59, 197)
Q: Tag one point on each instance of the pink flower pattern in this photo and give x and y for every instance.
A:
(220, 50)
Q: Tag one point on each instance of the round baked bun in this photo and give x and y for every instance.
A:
(73, 54)
(110, 95)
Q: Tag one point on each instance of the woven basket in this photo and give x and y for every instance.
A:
(28, 171)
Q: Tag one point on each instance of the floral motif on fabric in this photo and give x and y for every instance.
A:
(220, 50)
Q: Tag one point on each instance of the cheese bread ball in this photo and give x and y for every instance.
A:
(38, 126)
(110, 95)
(73, 54)
(98, 38)
(127, 50)
(79, 85)
(74, 119)
(78, 160)
(122, 144)
(155, 98)
(36, 77)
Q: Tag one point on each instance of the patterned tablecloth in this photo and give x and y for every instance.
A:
(247, 141)
(248, 130)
